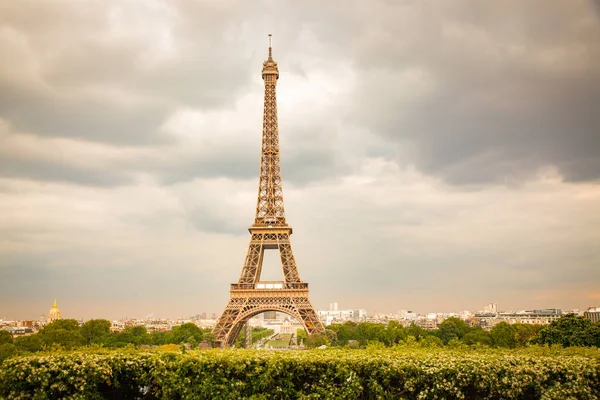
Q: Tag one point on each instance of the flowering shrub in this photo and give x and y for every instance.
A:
(409, 373)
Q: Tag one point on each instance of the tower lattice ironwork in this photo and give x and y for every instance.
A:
(251, 296)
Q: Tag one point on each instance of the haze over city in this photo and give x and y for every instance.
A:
(433, 158)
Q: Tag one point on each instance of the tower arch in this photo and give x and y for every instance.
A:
(245, 317)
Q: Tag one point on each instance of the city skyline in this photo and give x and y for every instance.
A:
(333, 306)
(435, 159)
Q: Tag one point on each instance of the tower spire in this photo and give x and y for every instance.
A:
(269, 208)
(270, 50)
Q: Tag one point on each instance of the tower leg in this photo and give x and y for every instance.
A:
(248, 335)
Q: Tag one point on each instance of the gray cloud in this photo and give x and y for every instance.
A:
(47, 171)
(477, 93)
(80, 71)
(486, 93)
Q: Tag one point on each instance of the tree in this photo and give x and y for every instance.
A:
(302, 335)
(137, 330)
(345, 332)
(318, 339)
(66, 324)
(452, 328)
(31, 343)
(135, 335)
(63, 338)
(95, 331)
(7, 350)
(5, 337)
(430, 341)
(503, 335)
(394, 333)
(331, 337)
(416, 331)
(209, 338)
(570, 330)
(370, 332)
(594, 333)
(192, 342)
(64, 332)
(477, 335)
(182, 333)
(524, 333)
(157, 338)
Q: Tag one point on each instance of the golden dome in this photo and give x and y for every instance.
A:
(54, 313)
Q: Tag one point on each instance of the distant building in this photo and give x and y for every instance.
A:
(26, 324)
(534, 317)
(117, 326)
(593, 314)
(335, 316)
(20, 330)
(427, 323)
(290, 326)
(54, 313)
(491, 308)
(410, 315)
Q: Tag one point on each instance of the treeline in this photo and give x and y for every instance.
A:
(68, 334)
(569, 330)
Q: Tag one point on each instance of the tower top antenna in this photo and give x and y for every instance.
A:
(270, 51)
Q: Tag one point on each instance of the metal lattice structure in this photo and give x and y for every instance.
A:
(250, 296)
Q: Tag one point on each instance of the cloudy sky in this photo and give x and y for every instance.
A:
(436, 156)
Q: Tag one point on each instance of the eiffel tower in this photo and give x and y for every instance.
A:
(251, 296)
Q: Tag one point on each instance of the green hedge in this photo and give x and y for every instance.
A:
(361, 374)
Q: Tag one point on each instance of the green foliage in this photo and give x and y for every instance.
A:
(452, 328)
(131, 335)
(503, 335)
(326, 338)
(416, 331)
(345, 332)
(394, 333)
(31, 343)
(138, 331)
(301, 335)
(430, 341)
(366, 332)
(525, 333)
(567, 331)
(95, 331)
(5, 337)
(477, 336)
(570, 330)
(210, 338)
(61, 324)
(184, 334)
(7, 350)
(63, 332)
(408, 373)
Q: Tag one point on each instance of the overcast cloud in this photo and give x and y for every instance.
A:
(435, 156)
